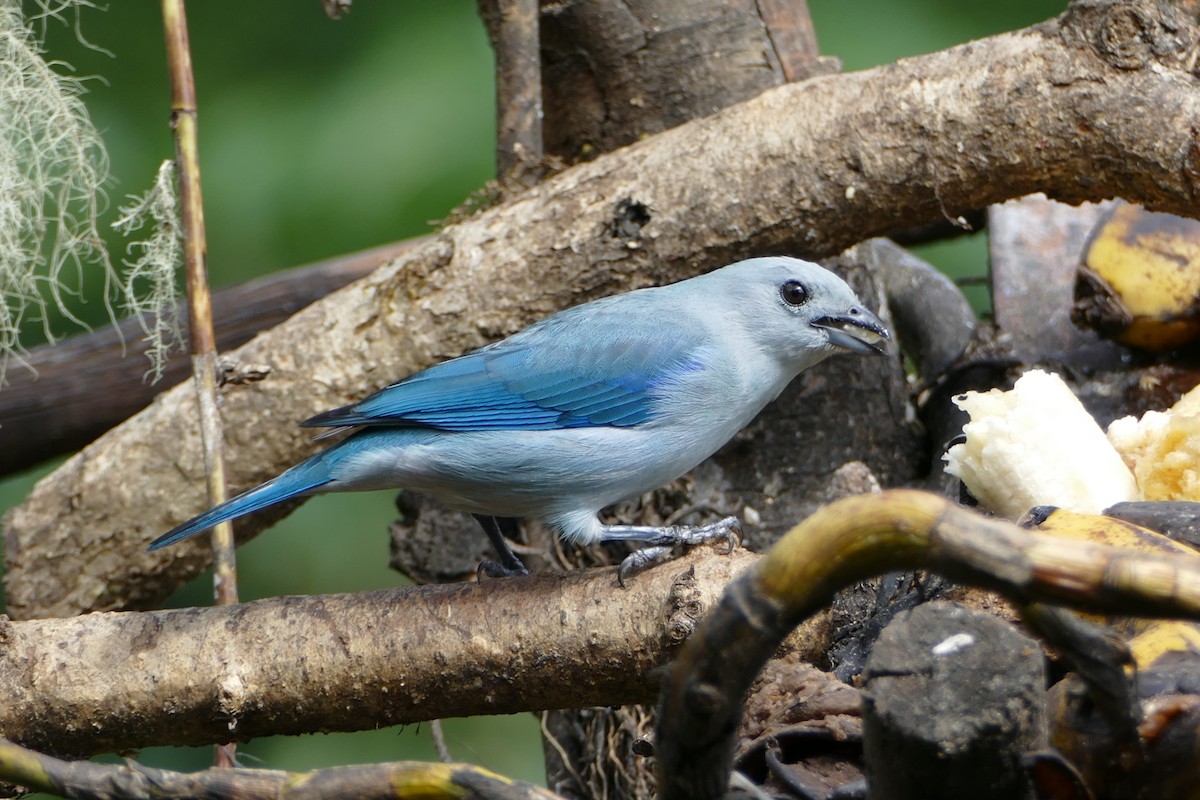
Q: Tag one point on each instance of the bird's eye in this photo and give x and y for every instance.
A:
(793, 293)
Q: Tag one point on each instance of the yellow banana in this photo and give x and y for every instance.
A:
(1119, 533)
(1139, 282)
(1158, 758)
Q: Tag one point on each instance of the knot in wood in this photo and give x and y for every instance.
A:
(685, 607)
(1131, 34)
(1136, 35)
(1124, 35)
(232, 699)
(628, 220)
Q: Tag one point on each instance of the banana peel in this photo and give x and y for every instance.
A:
(1178, 520)
(1164, 662)
(1139, 282)
(1101, 529)
(1156, 636)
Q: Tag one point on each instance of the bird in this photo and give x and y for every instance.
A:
(590, 406)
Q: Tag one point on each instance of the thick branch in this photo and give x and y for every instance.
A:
(805, 168)
(116, 681)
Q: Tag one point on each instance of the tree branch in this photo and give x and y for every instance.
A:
(119, 681)
(1096, 103)
(83, 780)
(513, 29)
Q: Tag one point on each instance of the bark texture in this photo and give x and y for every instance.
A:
(1099, 102)
(125, 680)
(615, 72)
(953, 699)
(513, 29)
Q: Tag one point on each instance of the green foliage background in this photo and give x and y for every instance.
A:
(319, 138)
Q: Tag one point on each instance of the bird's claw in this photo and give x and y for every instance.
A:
(498, 530)
(663, 544)
(729, 529)
(495, 569)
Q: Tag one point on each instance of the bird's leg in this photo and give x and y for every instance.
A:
(497, 530)
(662, 541)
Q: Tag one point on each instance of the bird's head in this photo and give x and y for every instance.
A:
(800, 310)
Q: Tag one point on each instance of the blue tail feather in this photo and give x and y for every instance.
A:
(299, 480)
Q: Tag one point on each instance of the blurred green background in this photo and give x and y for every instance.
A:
(319, 138)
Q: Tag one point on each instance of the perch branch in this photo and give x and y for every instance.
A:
(125, 680)
(289, 665)
(1097, 102)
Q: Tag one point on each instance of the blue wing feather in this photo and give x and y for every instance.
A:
(549, 376)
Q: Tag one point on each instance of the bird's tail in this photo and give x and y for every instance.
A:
(299, 480)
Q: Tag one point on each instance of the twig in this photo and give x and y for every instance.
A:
(203, 338)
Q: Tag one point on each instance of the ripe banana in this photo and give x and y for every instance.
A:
(1139, 282)
(1035, 445)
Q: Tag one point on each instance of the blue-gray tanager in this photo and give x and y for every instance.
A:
(585, 408)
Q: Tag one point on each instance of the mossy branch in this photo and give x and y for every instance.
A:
(411, 780)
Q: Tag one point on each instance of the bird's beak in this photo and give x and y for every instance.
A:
(858, 330)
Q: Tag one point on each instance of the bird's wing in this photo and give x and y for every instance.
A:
(557, 374)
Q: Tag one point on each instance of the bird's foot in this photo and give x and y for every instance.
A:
(663, 541)
(496, 569)
(498, 530)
